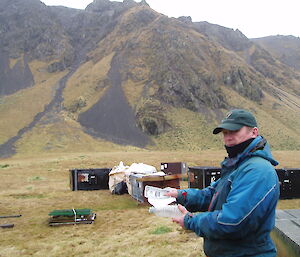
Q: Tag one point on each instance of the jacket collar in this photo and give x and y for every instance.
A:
(257, 144)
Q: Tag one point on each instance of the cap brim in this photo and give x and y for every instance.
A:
(228, 126)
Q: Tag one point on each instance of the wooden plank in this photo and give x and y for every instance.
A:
(11, 216)
(287, 225)
(160, 178)
(7, 225)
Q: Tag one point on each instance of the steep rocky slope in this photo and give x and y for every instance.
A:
(123, 73)
(284, 48)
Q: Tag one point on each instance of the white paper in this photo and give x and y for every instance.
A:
(156, 196)
(161, 202)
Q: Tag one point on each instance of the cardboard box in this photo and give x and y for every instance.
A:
(138, 183)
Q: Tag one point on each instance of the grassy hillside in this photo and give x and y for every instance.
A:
(86, 86)
(192, 131)
(19, 109)
(178, 83)
(278, 120)
(60, 132)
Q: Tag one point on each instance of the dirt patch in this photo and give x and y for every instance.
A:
(111, 117)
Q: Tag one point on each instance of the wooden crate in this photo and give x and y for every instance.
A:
(138, 183)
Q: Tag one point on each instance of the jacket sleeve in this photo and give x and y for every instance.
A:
(195, 199)
(251, 200)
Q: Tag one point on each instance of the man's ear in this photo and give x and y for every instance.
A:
(255, 132)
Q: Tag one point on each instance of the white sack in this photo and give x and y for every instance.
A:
(141, 168)
(117, 175)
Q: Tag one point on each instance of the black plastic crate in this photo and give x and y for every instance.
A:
(285, 184)
(294, 182)
(89, 179)
(171, 168)
(202, 176)
(289, 180)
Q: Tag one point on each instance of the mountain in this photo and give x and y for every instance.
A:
(284, 48)
(119, 75)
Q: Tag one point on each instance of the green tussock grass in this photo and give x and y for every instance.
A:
(35, 178)
(160, 230)
(27, 196)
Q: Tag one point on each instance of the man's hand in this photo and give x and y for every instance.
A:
(180, 220)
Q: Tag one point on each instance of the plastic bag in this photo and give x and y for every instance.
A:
(117, 175)
(141, 168)
(120, 188)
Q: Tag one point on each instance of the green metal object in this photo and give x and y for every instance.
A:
(71, 217)
(71, 212)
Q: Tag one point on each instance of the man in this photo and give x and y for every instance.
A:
(240, 206)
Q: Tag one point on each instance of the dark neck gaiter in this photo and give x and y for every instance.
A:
(233, 151)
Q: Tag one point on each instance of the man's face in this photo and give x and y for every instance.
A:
(232, 138)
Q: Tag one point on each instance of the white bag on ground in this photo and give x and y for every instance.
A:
(121, 173)
(141, 168)
(138, 168)
(117, 175)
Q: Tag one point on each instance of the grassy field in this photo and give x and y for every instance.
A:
(35, 185)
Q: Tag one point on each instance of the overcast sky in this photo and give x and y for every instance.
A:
(255, 18)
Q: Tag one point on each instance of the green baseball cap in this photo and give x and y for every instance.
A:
(235, 120)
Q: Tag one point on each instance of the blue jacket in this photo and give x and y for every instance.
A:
(239, 207)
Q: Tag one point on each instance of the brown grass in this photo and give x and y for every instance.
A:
(87, 83)
(35, 185)
(19, 109)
